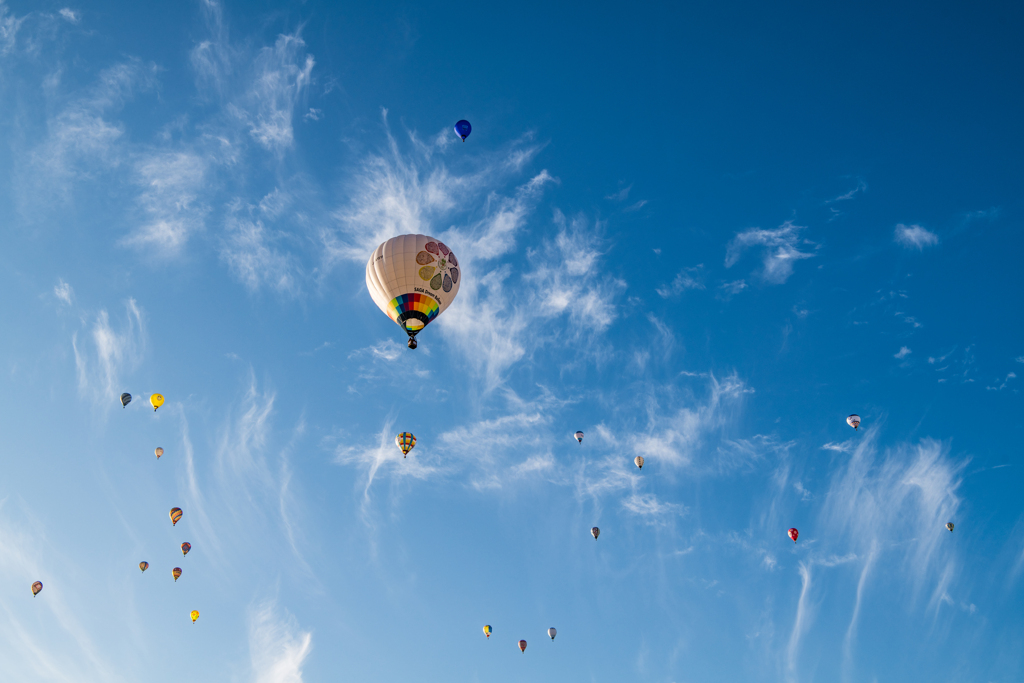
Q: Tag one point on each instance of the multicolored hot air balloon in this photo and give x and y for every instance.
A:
(853, 421)
(176, 572)
(522, 646)
(159, 451)
(175, 516)
(463, 129)
(185, 547)
(413, 279)
(639, 460)
(195, 615)
(405, 441)
(143, 565)
(36, 587)
(949, 525)
(579, 436)
(487, 631)
(552, 632)
(793, 533)
(126, 398)
(595, 532)
(156, 400)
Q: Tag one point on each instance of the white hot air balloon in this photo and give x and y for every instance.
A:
(552, 632)
(413, 279)
(853, 421)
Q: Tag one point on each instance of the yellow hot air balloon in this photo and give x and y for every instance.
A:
(406, 441)
(175, 515)
(639, 460)
(36, 587)
(413, 279)
(143, 565)
(176, 572)
(159, 451)
(487, 630)
(156, 400)
(194, 615)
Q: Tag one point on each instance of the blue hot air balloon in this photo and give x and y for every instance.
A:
(463, 129)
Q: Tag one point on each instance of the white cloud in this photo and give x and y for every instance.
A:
(70, 15)
(9, 26)
(902, 353)
(621, 195)
(111, 353)
(861, 187)
(648, 505)
(781, 250)
(314, 114)
(687, 278)
(277, 646)
(171, 183)
(730, 289)
(915, 237)
(844, 447)
(63, 292)
(248, 249)
(1019, 359)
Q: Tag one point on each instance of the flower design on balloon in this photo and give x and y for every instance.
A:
(445, 273)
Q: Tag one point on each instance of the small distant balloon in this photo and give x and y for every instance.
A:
(36, 587)
(175, 516)
(853, 421)
(579, 436)
(522, 646)
(639, 460)
(793, 533)
(176, 572)
(487, 630)
(159, 451)
(949, 525)
(463, 129)
(125, 400)
(595, 532)
(143, 565)
(185, 547)
(406, 441)
(552, 632)
(194, 615)
(156, 400)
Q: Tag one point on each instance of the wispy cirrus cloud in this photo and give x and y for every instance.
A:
(63, 292)
(687, 278)
(914, 237)
(780, 250)
(902, 353)
(278, 647)
(107, 353)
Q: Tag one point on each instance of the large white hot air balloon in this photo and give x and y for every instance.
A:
(413, 278)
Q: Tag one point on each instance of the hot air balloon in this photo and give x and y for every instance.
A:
(949, 525)
(185, 547)
(579, 436)
(175, 515)
(156, 400)
(143, 565)
(159, 451)
(853, 421)
(595, 532)
(487, 631)
(36, 587)
(793, 533)
(125, 400)
(176, 572)
(195, 615)
(406, 441)
(552, 632)
(522, 646)
(639, 460)
(413, 279)
(463, 129)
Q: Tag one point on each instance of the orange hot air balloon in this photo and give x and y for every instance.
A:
(175, 515)
(185, 547)
(595, 532)
(143, 565)
(522, 646)
(194, 615)
(159, 451)
(793, 533)
(176, 572)
(36, 587)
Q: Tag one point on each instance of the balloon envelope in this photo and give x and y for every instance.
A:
(463, 129)
(175, 515)
(853, 421)
(125, 400)
(413, 279)
(793, 533)
(552, 632)
(487, 630)
(156, 400)
(36, 587)
(143, 565)
(522, 646)
(194, 615)
(595, 532)
(949, 525)
(176, 572)
(185, 547)
(406, 441)
(639, 460)
(159, 451)
(579, 436)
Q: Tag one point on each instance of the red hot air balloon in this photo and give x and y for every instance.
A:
(793, 533)
(38, 586)
(522, 646)
(176, 572)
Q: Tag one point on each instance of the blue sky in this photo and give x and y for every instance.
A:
(701, 234)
